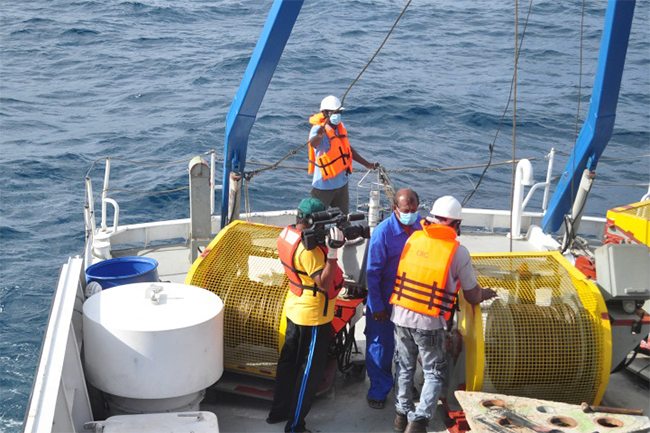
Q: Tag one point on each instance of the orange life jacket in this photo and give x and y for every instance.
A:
(422, 272)
(288, 242)
(336, 160)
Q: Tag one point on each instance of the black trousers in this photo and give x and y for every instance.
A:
(299, 373)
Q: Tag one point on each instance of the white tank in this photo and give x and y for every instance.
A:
(156, 341)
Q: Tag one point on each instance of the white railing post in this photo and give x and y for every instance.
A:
(90, 221)
(523, 176)
(91, 204)
(549, 173)
(116, 214)
(212, 179)
(107, 173)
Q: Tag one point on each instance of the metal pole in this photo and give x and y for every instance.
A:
(200, 219)
(212, 178)
(234, 197)
(91, 204)
(586, 182)
(549, 173)
(90, 222)
(107, 173)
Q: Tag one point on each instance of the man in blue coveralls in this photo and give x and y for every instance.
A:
(384, 253)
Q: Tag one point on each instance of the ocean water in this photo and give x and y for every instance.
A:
(153, 80)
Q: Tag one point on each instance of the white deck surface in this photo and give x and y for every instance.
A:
(173, 260)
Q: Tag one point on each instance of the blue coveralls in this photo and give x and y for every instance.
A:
(384, 252)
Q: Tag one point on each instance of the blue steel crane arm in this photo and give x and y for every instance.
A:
(599, 124)
(247, 101)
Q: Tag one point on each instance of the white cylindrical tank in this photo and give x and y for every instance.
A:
(153, 340)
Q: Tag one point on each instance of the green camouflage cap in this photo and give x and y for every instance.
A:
(310, 205)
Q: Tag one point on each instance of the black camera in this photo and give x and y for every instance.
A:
(313, 236)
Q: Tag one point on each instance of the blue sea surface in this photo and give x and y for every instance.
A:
(153, 80)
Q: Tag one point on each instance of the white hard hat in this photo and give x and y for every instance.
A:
(447, 207)
(331, 103)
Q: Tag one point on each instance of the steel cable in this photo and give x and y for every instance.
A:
(248, 176)
(491, 146)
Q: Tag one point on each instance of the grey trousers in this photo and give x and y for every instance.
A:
(430, 345)
(339, 198)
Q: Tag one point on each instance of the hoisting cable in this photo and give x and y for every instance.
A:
(582, 26)
(569, 233)
(402, 170)
(623, 158)
(491, 146)
(376, 52)
(249, 175)
(132, 191)
(514, 122)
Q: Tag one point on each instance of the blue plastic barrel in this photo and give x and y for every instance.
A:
(123, 270)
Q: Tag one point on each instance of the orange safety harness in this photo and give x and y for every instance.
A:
(338, 158)
(422, 272)
(287, 244)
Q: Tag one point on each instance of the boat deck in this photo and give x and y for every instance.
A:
(343, 407)
(173, 259)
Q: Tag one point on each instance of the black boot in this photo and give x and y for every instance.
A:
(400, 423)
(417, 426)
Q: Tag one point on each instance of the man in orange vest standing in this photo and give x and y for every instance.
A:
(315, 280)
(331, 156)
(432, 268)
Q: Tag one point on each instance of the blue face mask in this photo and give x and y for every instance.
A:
(408, 219)
(335, 118)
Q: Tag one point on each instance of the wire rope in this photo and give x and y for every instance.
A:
(248, 176)
(569, 233)
(514, 121)
(376, 52)
(132, 191)
(491, 146)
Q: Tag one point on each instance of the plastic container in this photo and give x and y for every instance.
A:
(123, 270)
(154, 347)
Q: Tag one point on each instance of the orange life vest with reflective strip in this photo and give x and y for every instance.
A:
(336, 160)
(288, 242)
(422, 272)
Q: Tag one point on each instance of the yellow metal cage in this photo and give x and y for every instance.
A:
(547, 335)
(242, 266)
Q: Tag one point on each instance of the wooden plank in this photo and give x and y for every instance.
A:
(493, 413)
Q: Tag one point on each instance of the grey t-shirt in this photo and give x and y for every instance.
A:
(460, 270)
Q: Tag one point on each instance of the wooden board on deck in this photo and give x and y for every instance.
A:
(489, 412)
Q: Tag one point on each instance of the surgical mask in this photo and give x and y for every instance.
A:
(335, 118)
(408, 219)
